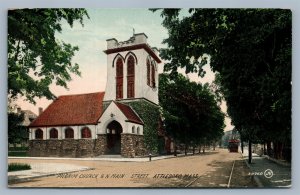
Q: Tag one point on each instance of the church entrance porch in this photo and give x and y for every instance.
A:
(114, 130)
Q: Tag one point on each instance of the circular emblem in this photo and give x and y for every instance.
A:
(268, 173)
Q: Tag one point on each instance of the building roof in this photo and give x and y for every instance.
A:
(72, 110)
(129, 113)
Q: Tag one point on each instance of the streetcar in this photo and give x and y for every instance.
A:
(233, 145)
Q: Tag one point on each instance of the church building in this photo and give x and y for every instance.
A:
(123, 120)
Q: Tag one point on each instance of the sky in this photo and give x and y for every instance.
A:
(91, 40)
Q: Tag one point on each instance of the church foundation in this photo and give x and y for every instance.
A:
(132, 145)
(100, 145)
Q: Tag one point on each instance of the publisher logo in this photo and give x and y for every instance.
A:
(268, 173)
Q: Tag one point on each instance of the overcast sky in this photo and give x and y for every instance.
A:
(91, 40)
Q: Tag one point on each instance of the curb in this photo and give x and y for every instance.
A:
(137, 159)
(286, 164)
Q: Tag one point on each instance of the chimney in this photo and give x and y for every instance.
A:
(40, 110)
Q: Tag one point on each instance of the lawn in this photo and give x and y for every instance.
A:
(17, 153)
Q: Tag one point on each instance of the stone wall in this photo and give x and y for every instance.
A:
(85, 148)
(64, 148)
(132, 145)
(37, 148)
(100, 145)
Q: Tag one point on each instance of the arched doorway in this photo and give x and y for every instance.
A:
(114, 130)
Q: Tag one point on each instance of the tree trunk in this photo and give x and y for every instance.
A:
(250, 152)
(280, 150)
(276, 150)
(269, 148)
(199, 149)
(175, 149)
(193, 150)
(242, 146)
(278, 147)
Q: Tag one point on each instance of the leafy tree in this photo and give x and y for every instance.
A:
(251, 51)
(190, 111)
(35, 57)
(15, 130)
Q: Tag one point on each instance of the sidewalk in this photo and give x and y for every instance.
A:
(116, 158)
(268, 173)
(49, 169)
(42, 170)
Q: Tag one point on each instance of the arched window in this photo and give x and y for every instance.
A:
(133, 129)
(130, 77)
(69, 133)
(86, 133)
(148, 72)
(138, 131)
(119, 79)
(53, 133)
(38, 134)
(153, 75)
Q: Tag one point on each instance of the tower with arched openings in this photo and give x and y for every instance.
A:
(132, 69)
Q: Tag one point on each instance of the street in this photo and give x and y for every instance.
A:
(212, 169)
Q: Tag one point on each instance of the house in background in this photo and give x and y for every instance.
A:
(20, 134)
(122, 120)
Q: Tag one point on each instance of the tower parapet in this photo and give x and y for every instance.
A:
(139, 38)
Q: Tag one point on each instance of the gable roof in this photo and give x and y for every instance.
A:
(129, 113)
(72, 110)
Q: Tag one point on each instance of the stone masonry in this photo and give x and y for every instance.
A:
(131, 145)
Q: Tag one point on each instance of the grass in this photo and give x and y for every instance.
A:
(17, 153)
(18, 167)
(17, 148)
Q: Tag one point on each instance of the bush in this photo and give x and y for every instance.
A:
(18, 167)
(23, 148)
(17, 153)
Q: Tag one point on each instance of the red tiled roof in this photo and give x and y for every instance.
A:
(129, 113)
(72, 110)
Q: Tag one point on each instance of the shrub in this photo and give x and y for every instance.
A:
(18, 167)
(17, 153)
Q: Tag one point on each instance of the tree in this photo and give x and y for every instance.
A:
(251, 51)
(35, 57)
(190, 111)
(15, 130)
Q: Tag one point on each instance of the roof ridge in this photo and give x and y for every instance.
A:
(81, 94)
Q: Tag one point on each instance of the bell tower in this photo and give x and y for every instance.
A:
(132, 70)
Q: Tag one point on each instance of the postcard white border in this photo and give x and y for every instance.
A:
(294, 5)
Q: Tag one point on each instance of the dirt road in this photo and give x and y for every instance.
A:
(205, 170)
